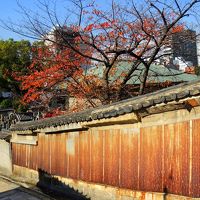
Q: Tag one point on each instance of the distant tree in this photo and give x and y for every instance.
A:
(14, 57)
(197, 70)
(135, 32)
(47, 74)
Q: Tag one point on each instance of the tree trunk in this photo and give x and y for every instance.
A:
(143, 80)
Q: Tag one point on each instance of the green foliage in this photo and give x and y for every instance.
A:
(5, 103)
(197, 70)
(18, 106)
(13, 103)
(15, 56)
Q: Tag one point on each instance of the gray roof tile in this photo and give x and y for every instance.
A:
(135, 104)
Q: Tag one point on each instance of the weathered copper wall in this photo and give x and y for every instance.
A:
(176, 158)
(163, 158)
(195, 141)
(151, 149)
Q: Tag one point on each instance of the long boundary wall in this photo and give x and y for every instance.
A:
(158, 156)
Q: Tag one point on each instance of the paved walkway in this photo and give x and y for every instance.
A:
(12, 191)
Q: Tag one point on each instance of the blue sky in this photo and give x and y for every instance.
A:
(10, 9)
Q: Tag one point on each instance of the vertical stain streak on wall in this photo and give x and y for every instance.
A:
(196, 158)
(176, 158)
(150, 158)
(58, 153)
(72, 150)
(84, 156)
(45, 147)
(13, 152)
(40, 152)
(54, 159)
(111, 167)
(63, 154)
(129, 158)
(35, 157)
(96, 156)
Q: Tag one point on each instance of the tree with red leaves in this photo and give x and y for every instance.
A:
(50, 73)
(102, 38)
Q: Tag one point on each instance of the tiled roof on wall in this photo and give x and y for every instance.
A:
(136, 104)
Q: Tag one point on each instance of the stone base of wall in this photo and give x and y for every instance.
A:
(97, 191)
(23, 174)
(6, 158)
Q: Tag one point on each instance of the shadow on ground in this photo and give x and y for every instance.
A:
(57, 189)
(22, 193)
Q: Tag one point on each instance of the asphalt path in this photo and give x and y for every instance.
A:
(13, 191)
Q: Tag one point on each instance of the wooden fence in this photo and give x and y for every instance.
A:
(163, 158)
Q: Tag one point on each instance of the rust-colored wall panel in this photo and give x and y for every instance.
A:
(63, 155)
(22, 152)
(58, 155)
(176, 158)
(112, 157)
(67, 157)
(42, 151)
(50, 152)
(84, 156)
(28, 160)
(34, 149)
(13, 151)
(39, 153)
(45, 153)
(129, 158)
(73, 151)
(151, 147)
(17, 154)
(195, 183)
(97, 156)
(53, 154)
(31, 154)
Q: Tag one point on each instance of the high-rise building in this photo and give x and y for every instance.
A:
(184, 45)
(198, 49)
(181, 49)
(60, 38)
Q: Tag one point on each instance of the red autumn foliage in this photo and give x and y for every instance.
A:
(190, 70)
(51, 72)
(46, 72)
(107, 39)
